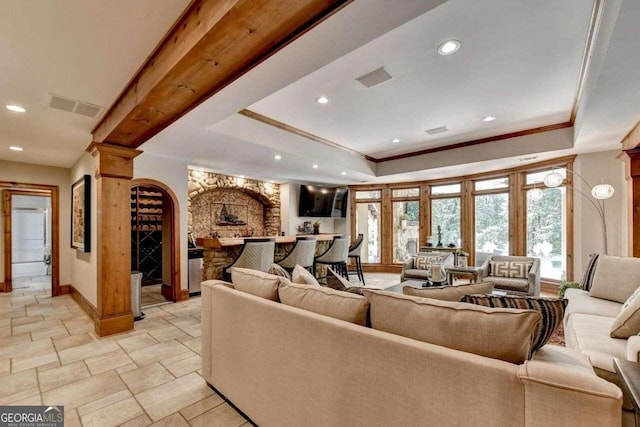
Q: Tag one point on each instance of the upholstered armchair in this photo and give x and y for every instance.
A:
(517, 275)
(419, 266)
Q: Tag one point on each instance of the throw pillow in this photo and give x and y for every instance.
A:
(615, 278)
(499, 333)
(449, 293)
(256, 282)
(339, 283)
(551, 310)
(277, 270)
(627, 322)
(510, 269)
(302, 276)
(424, 262)
(587, 277)
(328, 302)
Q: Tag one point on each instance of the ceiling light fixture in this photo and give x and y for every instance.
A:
(448, 47)
(343, 173)
(315, 166)
(16, 108)
(489, 118)
(277, 156)
(16, 148)
(322, 100)
(396, 140)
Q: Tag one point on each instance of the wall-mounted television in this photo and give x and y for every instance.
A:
(318, 201)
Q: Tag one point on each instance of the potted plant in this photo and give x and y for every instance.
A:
(316, 227)
(47, 261)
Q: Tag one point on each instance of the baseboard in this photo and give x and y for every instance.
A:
(184, 294)
(65, 289)
(2, 287)
(84, 304)
(114, 324)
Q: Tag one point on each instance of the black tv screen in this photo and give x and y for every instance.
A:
(322, 201)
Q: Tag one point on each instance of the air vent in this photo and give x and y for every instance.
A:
(375, 77)
(75, 106)
(526, 159)
(435, 131)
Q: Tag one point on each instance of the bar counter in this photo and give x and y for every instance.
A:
(220, 252)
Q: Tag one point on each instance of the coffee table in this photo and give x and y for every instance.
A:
(418, 284)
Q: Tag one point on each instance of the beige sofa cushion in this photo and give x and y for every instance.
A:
(302, 276)
(449, 293)
(589, 334)
(616, 278)
(329, 302)
(499, 333)
(581, 302)
(256, 282)
(627, 323)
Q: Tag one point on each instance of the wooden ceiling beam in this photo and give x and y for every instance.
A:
(213, 43)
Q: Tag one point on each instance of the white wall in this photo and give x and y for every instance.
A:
(172, 173)
(35, 174)
(84, 266)
(290, 197)
(587, 224)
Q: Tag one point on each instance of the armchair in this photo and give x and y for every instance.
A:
(512, 277)
(423, 271)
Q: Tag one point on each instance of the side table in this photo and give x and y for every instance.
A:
(472, 272)
(629, 373)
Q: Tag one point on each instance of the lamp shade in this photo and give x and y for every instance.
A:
(602, 191)
(554, 179)
(535, 194)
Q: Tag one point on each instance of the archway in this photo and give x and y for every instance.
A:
(166, 223)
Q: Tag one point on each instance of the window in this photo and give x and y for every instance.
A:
(491, 225)
(374, 194)
(492, 184)
(445, 213)
(538, 177)
(406, 229)
(406, 192)
(445, 189)
(368, 223)
(547, 226)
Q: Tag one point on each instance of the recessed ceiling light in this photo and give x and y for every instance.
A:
(16, 148)
(343, 173)
(322, 100)
(241, 176)
(489, 118)
(396, 140)
(277, 156)
(16, 108)
(448, 47)
(315, 166)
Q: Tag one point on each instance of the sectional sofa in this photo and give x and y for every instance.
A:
(286, 366)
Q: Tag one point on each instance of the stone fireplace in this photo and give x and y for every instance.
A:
(228, 206)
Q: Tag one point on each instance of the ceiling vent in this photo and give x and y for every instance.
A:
(75, 106)
(435, 131)
(375, 77)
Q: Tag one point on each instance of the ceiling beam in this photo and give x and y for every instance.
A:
(632, 139)
(212, 44)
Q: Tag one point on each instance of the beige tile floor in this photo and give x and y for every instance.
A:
(49, 355)
(151, 295)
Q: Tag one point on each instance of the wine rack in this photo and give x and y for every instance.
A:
(146, 234)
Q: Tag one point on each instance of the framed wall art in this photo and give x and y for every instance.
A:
(81, 214)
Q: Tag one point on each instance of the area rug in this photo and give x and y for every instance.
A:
(558, 337)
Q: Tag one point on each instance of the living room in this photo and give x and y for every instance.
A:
(448, 124)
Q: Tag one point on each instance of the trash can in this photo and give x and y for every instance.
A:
(136, 295)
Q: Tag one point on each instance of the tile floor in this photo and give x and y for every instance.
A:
(151, 295)
(50, 355)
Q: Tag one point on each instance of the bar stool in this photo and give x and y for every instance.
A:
(256, 254)
(354, 252)
(301, 254)
(335, 256)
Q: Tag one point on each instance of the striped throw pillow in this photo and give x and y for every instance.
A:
(589, 272)
(510, 269)
(277, 270)
(551, 309)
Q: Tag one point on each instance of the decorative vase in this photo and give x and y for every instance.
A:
(316, 230)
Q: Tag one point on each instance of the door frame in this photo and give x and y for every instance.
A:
(176, 293)
(19, 189)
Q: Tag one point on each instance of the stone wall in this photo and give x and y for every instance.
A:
(207, 190)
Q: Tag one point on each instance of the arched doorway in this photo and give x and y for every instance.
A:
(155, 241)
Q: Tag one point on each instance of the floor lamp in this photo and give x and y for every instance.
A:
(599, 193)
